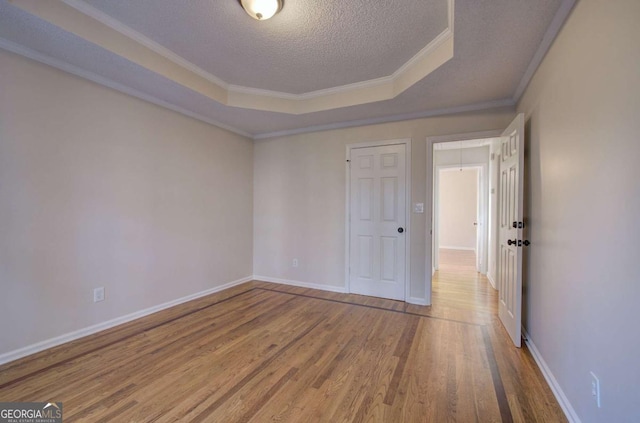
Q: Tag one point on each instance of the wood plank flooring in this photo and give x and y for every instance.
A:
(449, 257)
(267, 352)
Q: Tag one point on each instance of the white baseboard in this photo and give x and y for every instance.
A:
(72, 336)
(453, 247)
(417, 301)
(331, 288)
(569, 412)
(491, 281)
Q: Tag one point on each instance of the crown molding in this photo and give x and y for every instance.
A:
(118, 26)
(66, 67)
(97, 27)
(63, 66)
(547, 40)
(266, 96)
(506, 103)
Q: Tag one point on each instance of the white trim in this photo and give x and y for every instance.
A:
(129, 32)
(467, 136)
(428, 49)
(123, 29)
(419, 66)
(371, 83)
(72, 336)
(550, 35)
(491, 281)
(547, 40)
(417, 301)
(349, 147)
(74, 70)
(300, 284)
(476, 107)
(566, 406)
(453, 247)
(65, 67)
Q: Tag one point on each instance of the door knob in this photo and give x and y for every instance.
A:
(511, 242)
(526, 243)
(400, 230)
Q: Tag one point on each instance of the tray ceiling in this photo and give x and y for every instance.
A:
(311, 45)
(306, 48)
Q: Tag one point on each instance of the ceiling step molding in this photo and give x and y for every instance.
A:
(87, 22)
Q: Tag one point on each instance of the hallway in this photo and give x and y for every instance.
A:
(459, 289)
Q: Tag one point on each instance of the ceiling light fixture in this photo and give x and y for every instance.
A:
(261, 9)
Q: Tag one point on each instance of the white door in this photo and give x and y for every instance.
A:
(377, 221)
(511, 187)
(478, 225)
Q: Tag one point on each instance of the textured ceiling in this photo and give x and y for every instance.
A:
(310, 45)
(495, 43)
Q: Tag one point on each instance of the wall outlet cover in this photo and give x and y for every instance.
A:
(98, 294)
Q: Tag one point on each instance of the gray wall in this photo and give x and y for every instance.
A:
(583, 280)
(299, 196)
(101, 189)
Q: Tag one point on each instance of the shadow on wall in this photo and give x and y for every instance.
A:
(529, 162)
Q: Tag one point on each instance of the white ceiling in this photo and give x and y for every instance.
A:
(309, 46)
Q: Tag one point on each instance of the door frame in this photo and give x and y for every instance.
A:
(428, 207)
(347, 220)
(481, 212)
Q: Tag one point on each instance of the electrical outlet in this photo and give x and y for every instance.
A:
(595, 388)
(295, 262)
(98, 294)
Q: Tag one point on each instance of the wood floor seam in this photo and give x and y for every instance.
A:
(269, 352)
(375, 307)
(66, 360)
(498, 386)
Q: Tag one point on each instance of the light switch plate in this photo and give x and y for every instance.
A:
(418, 208)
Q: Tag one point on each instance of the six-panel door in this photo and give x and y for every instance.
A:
(377, 221)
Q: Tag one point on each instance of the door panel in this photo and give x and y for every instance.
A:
(390, 199)
(377, 210)
(511, 197)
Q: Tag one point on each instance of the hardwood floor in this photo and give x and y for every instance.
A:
(459, 258)
(267, 352)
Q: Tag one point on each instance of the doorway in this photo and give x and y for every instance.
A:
(460, 204)
(505, 225)
(458, 194)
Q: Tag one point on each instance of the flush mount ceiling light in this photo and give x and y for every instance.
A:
(261, 9)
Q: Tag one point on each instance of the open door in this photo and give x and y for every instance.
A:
(511, 209)
(478, 225)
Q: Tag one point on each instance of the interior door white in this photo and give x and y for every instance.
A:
(377, 221)
(478, 224)
(511, 200)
